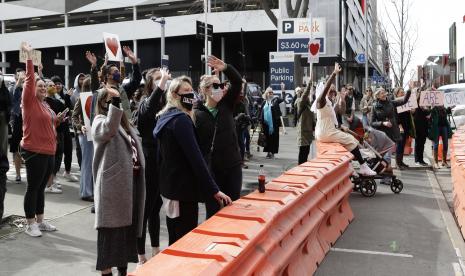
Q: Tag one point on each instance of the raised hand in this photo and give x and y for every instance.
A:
(165, 76)
(130, 54)
(91, 58)
(337, 68)
(217, 64)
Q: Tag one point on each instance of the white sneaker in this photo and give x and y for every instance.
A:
(70, 177)
(53, 190)
(45, 226)
(56, 183)
(365, 170)
(33, 230)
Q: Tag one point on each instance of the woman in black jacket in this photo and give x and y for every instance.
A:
(421, 117)
(184, 177)
(216, 130)
(155, 87)
(271, 120)
(406, 129)
(384, 116)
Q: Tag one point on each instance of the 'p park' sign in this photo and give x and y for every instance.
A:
(439, 98)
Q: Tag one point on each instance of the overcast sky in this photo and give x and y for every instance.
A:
(433, 19)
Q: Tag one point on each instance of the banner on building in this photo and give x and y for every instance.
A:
(410, 105)
(294, 34)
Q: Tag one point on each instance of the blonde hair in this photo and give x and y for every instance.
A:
(397, 90)
(206, 81)
(268, 90)
(171, 101)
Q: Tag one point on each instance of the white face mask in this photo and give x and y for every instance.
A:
(217, 94)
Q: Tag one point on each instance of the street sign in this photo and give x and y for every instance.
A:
(314, 51)
(294, 34)
(63, 62)
(360, 58)
(282, 69)
(200, 30)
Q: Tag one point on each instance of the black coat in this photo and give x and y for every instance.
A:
(226, 152)
(146, 117)
(386, 110)
(272, 140)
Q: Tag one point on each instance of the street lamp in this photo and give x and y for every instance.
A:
(162, 22)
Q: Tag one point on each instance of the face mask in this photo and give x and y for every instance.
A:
(217, 94)
(51, 90)
(187, 100)
(116, 76)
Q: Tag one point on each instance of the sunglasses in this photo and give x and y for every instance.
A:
(218, 85)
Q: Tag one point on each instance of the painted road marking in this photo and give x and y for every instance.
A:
(371, 252)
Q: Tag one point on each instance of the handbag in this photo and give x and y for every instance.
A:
(261, 139)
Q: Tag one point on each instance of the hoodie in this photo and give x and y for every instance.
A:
(185, 174)
(77, 89)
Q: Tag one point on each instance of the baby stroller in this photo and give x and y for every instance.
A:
(375, 144)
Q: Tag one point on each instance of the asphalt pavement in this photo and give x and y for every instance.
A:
(404, 234)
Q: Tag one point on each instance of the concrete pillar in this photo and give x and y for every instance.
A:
(3, 53)
(66, 57)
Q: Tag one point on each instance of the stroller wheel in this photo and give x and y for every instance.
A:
(368, 187)
(397, 186)
(356, 182)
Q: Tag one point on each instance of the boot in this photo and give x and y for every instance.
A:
(444, 159)
(436, 161)
(400, 165)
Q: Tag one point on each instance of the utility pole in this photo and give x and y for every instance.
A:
(367, 58)
(162, 22)
(206, 8)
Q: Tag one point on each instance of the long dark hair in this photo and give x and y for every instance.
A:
(149, 79)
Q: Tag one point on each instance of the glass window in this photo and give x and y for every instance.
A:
(35, 23)
(88, 18)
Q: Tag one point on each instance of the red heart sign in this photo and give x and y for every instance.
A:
(113, 45)
(88, 106)
(314, 48)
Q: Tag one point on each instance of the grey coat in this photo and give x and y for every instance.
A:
(113, 173)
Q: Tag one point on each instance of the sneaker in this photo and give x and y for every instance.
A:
(268, 155)
(45, 226)
(365, 170)
(423, 163)
(53, 190)
(56, 184)
(70, 177)
(33, 230)
(18, 179)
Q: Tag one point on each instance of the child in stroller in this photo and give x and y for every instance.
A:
(377, 148)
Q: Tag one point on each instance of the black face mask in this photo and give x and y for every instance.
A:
(187, 100)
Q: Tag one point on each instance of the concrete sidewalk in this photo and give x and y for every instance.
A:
(72, 249)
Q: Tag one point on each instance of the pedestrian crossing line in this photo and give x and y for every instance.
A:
(371, 252)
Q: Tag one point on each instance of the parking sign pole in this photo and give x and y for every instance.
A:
(366, 45)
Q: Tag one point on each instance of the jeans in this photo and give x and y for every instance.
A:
(38, 169)
(86, 184)
(442, 131)
(420, 140)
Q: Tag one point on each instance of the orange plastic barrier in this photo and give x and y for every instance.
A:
(458, 176)
(285, 231)
(440, 149)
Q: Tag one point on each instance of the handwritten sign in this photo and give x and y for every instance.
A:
(113, 47)
(411, 104)
(432, 98)
(86, 102)
(36, 57)
(454, 98)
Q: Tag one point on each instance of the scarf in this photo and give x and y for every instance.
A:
(268, 117)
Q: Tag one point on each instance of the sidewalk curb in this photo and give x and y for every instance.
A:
(449, 220)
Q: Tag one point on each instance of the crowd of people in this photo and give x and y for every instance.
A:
(157, 143)
(335, 114)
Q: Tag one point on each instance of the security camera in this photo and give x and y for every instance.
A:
(153, 18)
(160, 20)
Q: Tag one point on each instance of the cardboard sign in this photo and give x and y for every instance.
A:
(432, 98)
(86, 103)
(36, 57)
(411, 104)
(113, 47)
(313, 51)
(454, 98)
